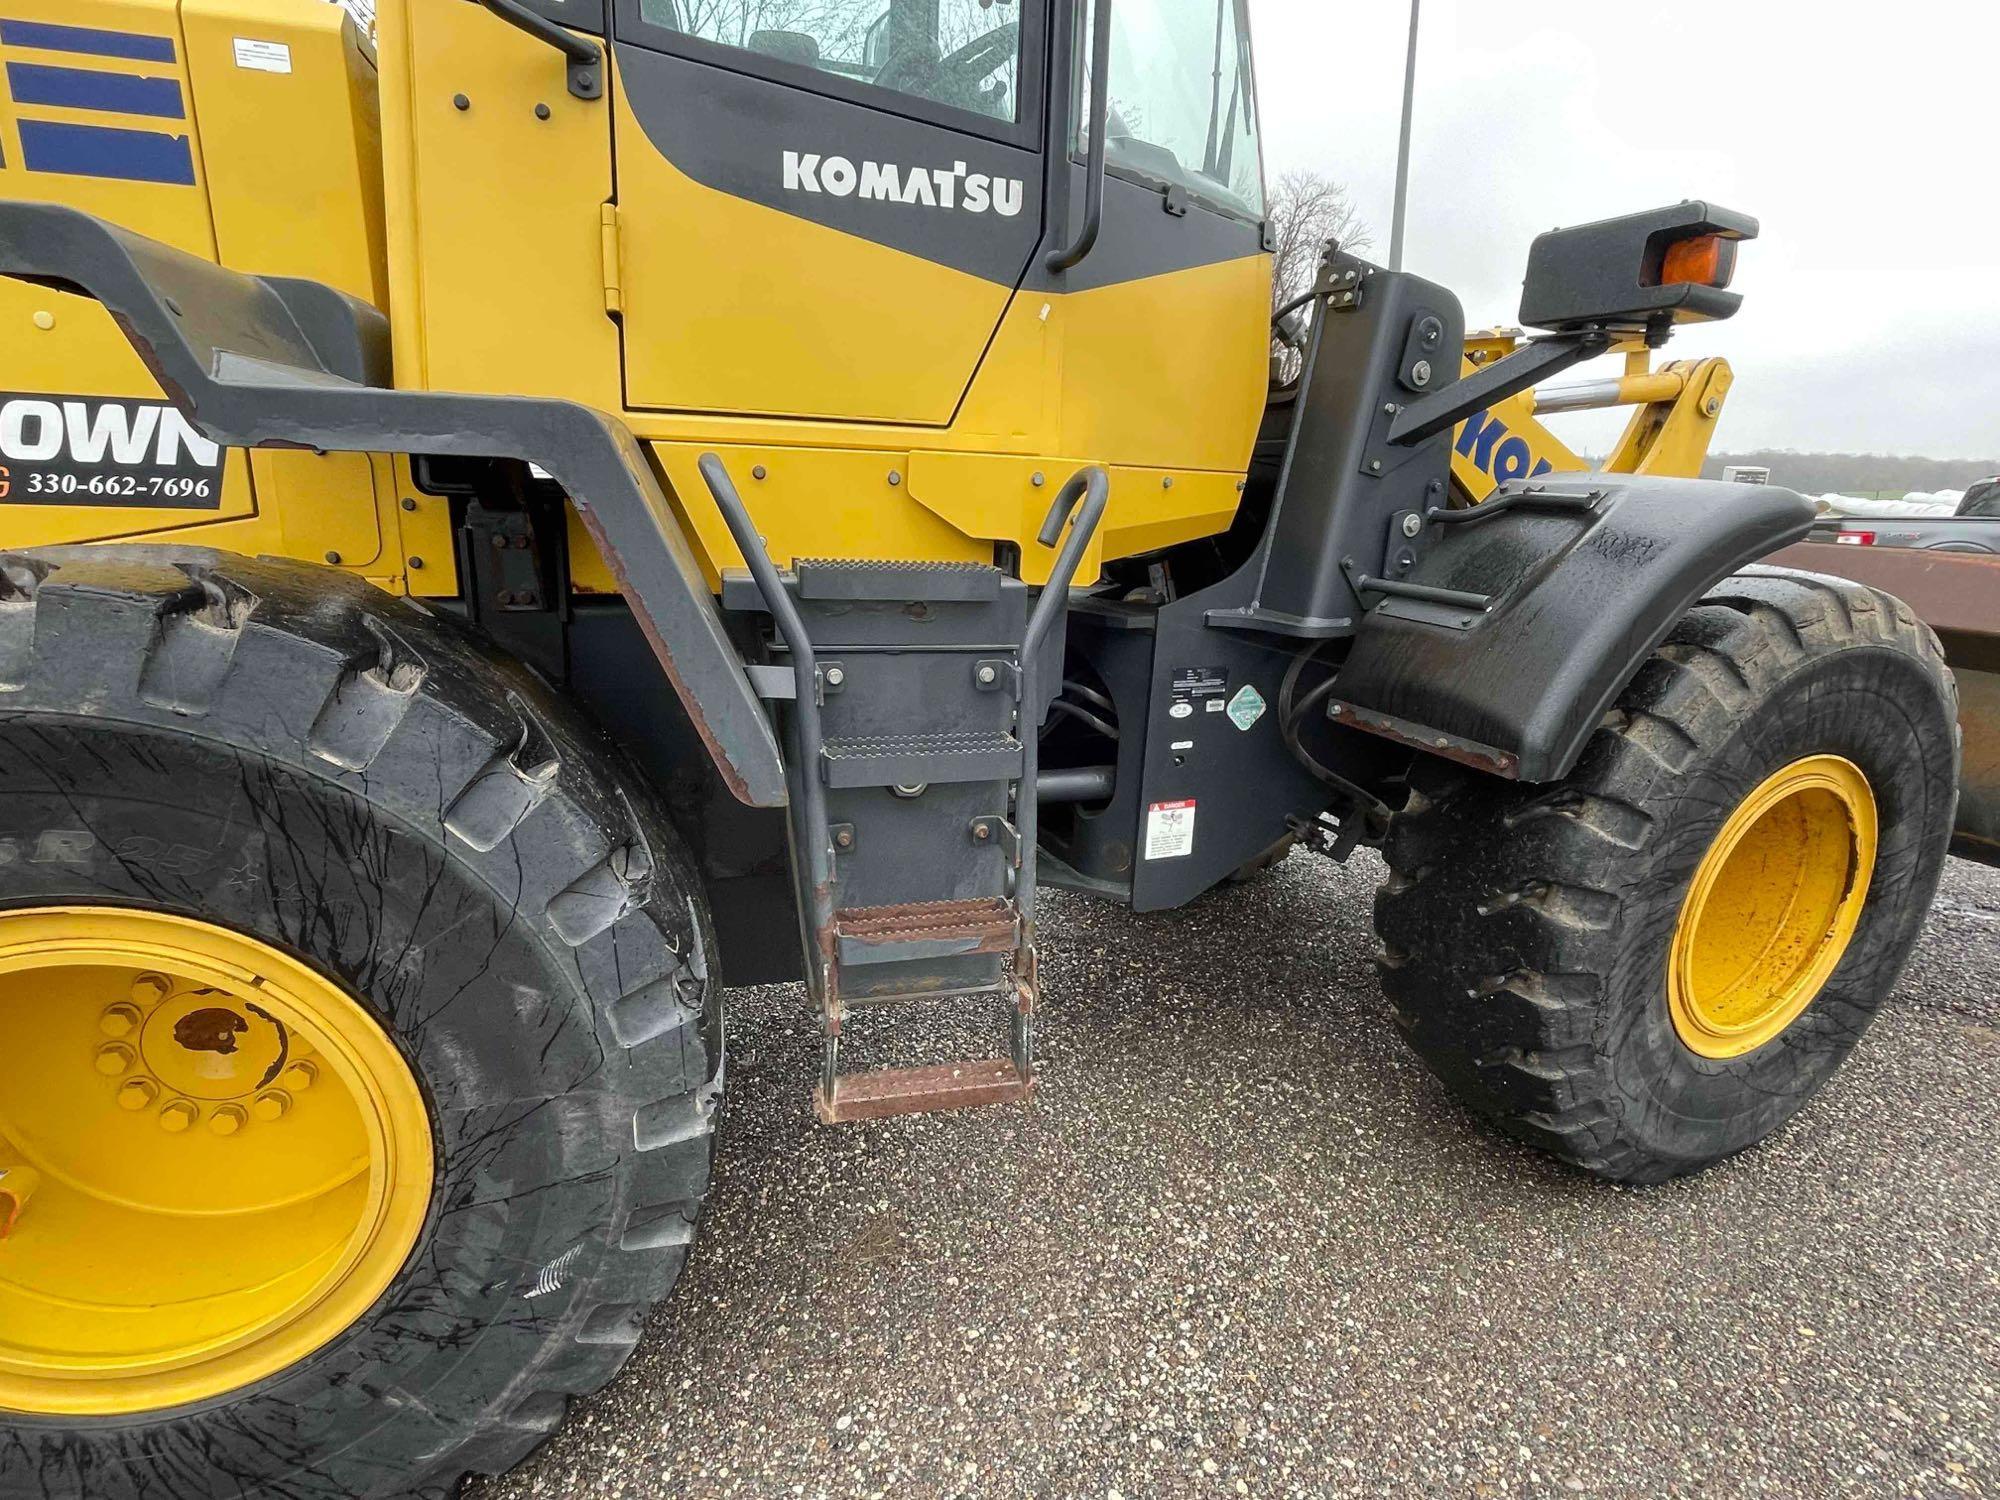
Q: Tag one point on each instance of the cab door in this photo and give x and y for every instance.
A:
(1166, 321)
(824, 206)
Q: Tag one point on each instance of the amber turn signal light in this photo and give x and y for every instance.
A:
(1707, 260)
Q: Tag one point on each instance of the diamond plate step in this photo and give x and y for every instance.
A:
(914, 759)
(897, 582)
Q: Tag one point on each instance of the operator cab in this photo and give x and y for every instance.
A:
(926, 134)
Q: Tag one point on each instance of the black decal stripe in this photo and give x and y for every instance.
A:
(1141, 239)
(730, 131)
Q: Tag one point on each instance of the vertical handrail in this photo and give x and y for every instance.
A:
(1100, 115)
(805, 671)
(1093, 486)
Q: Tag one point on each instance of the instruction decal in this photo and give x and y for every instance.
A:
(1170, 830)
(263, 57)
(1195, 690)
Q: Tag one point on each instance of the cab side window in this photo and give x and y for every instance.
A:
(964, 54)
(1183, 103)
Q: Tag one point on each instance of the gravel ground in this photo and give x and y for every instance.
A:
(1244, 1244)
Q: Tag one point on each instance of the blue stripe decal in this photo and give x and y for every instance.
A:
(80, 88)
(53, 38)
(100, 151)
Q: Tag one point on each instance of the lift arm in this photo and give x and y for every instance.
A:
(1675, 410)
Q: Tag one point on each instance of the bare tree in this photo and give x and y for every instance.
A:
(1306, 210)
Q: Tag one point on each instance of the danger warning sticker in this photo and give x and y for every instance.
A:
(1170, 830)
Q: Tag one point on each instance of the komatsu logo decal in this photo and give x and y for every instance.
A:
(1494, 450)
(58, 449)
(957, 187)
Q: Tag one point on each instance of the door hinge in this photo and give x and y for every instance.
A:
(608, 238)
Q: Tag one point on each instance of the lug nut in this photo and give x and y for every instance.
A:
(300, 1076)
(137, 1094)
(150, 989)
(119, 1020)
(177, 1116)
(114, 1058)
(227, 1120)
(272, 1106)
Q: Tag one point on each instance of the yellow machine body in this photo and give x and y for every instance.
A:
(917, 414)
(279, 172)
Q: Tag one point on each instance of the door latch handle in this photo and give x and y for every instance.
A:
(585, 58)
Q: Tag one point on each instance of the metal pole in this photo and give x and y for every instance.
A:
(1403, 146)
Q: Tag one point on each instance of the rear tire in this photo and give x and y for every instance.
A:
(293, 755)
(1528, 931)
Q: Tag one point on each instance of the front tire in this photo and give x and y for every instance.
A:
(1654, 963)
(283, 779)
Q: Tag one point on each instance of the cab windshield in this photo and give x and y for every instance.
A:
(1183, 103)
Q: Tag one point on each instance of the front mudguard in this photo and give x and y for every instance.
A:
(279, 363)
(1542, 610)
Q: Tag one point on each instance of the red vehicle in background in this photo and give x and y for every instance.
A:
(1947, 568)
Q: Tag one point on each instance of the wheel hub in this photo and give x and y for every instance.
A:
(212, 1160)
(200, 1053)
(1772, 907)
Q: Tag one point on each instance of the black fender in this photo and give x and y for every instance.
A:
(281, 363)
(1519, 627)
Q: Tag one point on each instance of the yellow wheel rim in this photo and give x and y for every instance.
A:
(1773, 906)
(212, 1161)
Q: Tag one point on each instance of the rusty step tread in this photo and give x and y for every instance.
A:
(978, 917)
(926, 930)
(888, 1092)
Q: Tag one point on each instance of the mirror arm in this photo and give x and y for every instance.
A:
(585, 58)
(1528, 365)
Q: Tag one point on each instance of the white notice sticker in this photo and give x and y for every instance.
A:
(1170, 830)
(263, 57)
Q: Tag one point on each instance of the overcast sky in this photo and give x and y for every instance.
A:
(1864, 136)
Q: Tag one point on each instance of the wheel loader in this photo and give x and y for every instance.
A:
(516, 518)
